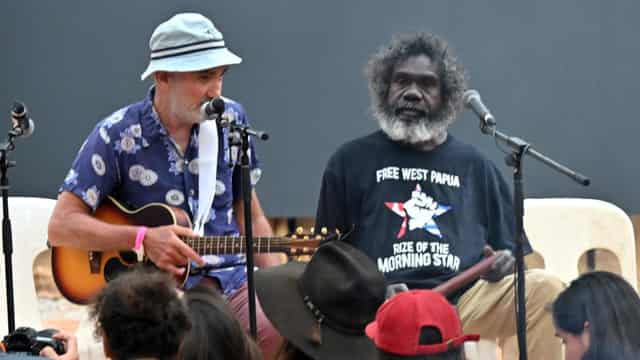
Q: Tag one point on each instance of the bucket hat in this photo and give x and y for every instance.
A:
(187, 42)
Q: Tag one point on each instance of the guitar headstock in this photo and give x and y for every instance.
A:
(306, 243)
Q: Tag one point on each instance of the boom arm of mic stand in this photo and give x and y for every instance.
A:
(517, 143)
(244, 129)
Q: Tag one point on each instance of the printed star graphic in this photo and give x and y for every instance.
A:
(418, 213)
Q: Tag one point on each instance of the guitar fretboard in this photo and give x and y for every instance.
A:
(217, 245)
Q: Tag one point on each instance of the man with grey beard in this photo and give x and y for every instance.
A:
(425, 206)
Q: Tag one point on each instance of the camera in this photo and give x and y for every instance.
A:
(28, 340)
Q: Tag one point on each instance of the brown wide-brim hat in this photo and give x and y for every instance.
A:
(340, 285)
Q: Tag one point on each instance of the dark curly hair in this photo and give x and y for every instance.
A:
(215, 333)
(452, 75)
(139, 314)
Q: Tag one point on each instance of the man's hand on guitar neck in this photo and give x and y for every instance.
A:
(167, 251)
(501, 267)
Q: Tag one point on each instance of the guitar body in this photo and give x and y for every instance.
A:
(81, 274)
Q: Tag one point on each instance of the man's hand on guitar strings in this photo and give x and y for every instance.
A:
(167, 251)
(501, 267)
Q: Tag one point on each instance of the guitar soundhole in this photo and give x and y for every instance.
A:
(129, 257)
(112, 268)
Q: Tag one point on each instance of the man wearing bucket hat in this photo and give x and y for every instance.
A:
(321, 308)
(160, 150)
(420, 325)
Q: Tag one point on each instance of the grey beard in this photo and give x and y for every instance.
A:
(423, 132)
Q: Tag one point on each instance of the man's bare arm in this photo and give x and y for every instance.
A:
(72, 225)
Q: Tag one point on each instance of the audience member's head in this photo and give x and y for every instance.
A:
(215, 333)
(420, 325)
(598, 317)
(321, 308)
(139, 314)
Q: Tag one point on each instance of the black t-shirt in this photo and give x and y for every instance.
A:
(422, 216)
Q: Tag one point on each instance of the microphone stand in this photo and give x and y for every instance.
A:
(515, 159)
(7, 241)
(245, 131)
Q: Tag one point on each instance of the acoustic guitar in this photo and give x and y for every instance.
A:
(80, 274)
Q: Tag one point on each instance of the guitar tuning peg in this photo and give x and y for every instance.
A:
(324, 231)
(299, 230)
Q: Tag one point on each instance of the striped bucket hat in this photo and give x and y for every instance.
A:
(188, 42)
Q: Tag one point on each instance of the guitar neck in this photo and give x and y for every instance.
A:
(218, 245)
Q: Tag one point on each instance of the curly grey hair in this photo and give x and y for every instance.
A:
(452, 78)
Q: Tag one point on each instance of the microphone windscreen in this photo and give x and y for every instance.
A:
(18, 108)
(218, 105)
(469, 96)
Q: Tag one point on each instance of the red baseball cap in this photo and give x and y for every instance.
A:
(400, 320)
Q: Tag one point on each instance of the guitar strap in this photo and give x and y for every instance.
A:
(207, 167)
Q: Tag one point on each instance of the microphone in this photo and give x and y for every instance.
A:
(22, 125)
(212, 109)
(472, 100)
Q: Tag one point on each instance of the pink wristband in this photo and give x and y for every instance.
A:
(142, 231)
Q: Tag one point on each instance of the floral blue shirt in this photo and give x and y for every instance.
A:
(130, 156)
